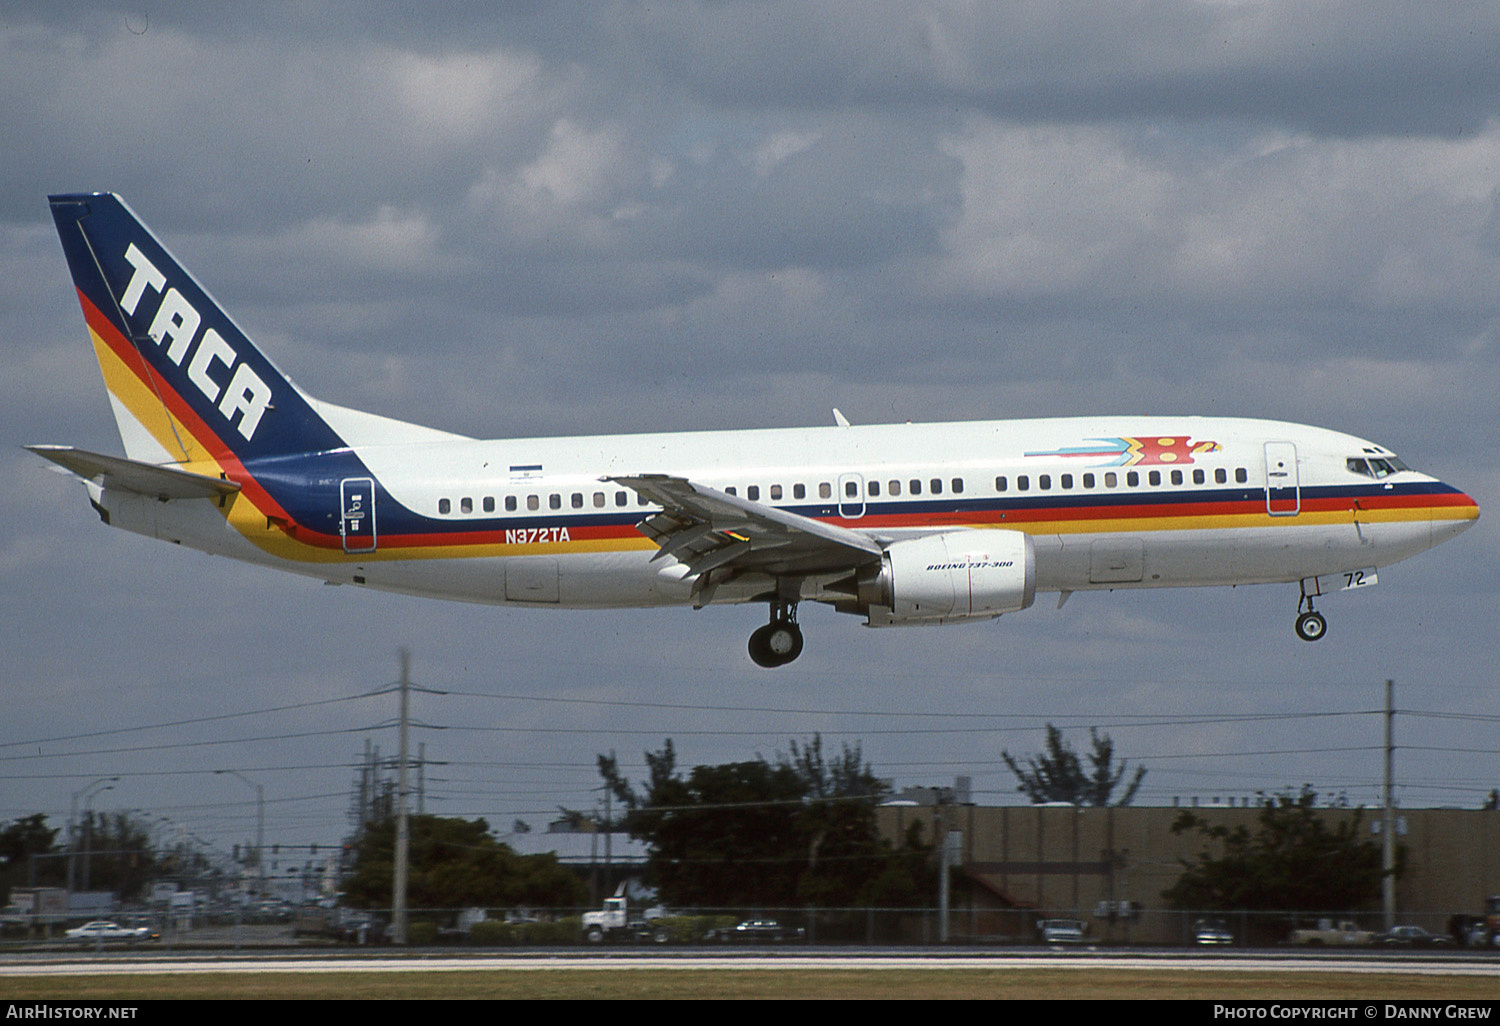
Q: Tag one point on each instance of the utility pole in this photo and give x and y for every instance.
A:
(398, 882)
(1388, 839)
(945, 839)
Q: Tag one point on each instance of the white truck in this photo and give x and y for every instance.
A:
(615, 922)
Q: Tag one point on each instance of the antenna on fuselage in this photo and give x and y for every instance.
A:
(839, 418)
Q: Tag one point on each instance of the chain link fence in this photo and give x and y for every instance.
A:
(314, 926)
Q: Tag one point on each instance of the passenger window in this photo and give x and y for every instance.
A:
(621, 498)
(598, 500)
(874, 489)
(554, 501)
(916, 486)
(489, 504)
(1044, 482)
(1240, 475)
(1154, 477)
(894, 488)
(1220, 477)
(936, 486)
(775, 493)
(510, 504)
(731, 490)
(851, 489)
(1133, 479)
(533, 502)
(1023, 483)
(1000, 484)
(1176, 477)
(958, 485)
(752, 492)
(1088, 480)
(444, 506)
(1111, 480)
(1197, 477)
(466, 505)
(1067, 481)
(799, 491)
(825, 490)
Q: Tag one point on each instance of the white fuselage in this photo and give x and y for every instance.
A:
(1108, 503)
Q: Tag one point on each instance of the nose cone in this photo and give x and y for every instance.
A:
(1456, 515)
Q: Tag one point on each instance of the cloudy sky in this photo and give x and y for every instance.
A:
(537, 219)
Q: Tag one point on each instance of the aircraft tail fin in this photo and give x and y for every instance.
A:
(186, 384)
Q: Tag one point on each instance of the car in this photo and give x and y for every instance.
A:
(1413, 937)
(108, 930)
(757, 931)
(1212, 931)
(1062, 931)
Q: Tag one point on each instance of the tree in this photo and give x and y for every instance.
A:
(117, 855)
(455, 863)
(1294, 861)
(799, 831)
(1057, 775)
(21, 840)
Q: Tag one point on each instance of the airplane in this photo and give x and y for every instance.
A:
(902, 524)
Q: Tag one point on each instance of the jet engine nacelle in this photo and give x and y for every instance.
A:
(951, 577)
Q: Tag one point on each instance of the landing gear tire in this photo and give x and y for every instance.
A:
(1311, 626)
(776, 644)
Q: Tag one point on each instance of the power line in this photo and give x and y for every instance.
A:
(184, 723)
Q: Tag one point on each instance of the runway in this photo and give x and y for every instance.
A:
(133, 964)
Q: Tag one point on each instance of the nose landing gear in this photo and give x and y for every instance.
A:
(780, 641)
(1310, 623)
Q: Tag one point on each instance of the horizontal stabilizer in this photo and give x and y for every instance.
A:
(131, 475)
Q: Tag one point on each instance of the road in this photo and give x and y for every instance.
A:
(135, 962)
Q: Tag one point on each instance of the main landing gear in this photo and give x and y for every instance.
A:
(780, 641)
(1310, 623)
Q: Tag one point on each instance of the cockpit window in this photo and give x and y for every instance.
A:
(1376, 466)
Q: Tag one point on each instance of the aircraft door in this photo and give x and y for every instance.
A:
(532, 579)
(851, 496)
(357, 514)
(1117, 560)
(1283, 487)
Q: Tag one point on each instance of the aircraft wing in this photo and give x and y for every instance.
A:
(708, 530)
(134, 476)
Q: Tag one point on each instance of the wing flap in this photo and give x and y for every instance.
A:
(708, 530)
(162, 483)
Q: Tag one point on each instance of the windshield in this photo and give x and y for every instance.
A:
(1375, 466)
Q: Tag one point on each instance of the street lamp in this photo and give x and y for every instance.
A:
(260, 826)
(102, 784)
